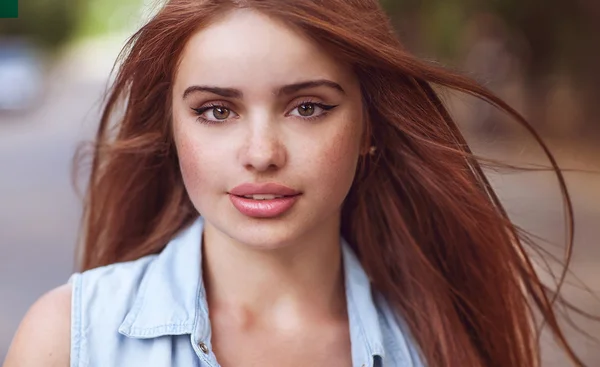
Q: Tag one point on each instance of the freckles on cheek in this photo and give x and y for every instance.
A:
(337, 162)
(333, 155)
(190, 162)
(341, 148)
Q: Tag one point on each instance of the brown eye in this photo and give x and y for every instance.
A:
(221, 113)
(306, 109)
(214, 114)
(311, 110)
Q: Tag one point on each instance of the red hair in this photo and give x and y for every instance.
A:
(421, 215)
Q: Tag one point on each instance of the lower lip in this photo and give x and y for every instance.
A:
(263, 208)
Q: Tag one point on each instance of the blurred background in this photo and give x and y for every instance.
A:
(541, 56)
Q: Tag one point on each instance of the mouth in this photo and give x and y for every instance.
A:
(263, 205)
(261, 197)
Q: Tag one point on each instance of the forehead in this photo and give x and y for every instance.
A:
(248, 48)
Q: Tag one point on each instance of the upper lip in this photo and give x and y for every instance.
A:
(247, 189)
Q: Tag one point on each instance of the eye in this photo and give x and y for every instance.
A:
(213, 113)
(311, 110)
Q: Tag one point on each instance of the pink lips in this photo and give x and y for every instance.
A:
(263, 208)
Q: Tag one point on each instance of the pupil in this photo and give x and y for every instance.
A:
(220, 113)
(307, 109)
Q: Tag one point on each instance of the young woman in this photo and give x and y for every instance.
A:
(276, 183)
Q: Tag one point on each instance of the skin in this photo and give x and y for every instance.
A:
(274, 286)
(43, 337)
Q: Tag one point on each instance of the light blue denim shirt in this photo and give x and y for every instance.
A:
(153, 312)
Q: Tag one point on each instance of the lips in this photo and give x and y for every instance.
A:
(249, 189)
(263, 200)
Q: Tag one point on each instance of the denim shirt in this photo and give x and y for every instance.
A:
(153, 312)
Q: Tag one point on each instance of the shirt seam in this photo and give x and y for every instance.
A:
(76, 321)
(134, 312)
(361, 327)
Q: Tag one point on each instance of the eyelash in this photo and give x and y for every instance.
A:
(201, 110)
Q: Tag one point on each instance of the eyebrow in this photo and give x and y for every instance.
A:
(285, 90)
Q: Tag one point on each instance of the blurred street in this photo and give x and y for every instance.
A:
(39, 211)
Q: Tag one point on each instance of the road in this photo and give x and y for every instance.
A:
(39, 211)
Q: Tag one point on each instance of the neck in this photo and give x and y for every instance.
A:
(293, 284)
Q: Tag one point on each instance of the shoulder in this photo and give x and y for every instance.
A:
(111, 280)
(43, 337)
(105, 294)
(55, 323)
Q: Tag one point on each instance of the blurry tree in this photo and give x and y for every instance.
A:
(560, 37)
(50, 23)
(551, 37)
(106, 16)
(47, 22)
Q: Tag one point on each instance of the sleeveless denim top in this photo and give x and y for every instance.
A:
(153, 312)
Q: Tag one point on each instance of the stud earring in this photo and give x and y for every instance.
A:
(372, 150)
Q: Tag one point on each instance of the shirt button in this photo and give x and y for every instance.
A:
(203, 348)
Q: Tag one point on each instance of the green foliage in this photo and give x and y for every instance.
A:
(557, 34)
(104, 16)
(53, 22)
(443, 25)
(48, 22)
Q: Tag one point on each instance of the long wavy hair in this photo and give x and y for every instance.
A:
(421, 215)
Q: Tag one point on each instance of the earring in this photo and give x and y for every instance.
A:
(372, 150)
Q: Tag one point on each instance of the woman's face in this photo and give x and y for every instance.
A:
(255, 102)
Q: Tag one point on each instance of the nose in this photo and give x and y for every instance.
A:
(263, 149)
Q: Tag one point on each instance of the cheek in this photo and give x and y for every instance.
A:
(196, 166)
(190, 164)
(337, 161)
(188, 160)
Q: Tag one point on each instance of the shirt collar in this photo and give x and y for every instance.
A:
(172, 301)
(365, 329)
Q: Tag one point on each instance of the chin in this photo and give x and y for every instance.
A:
(274, 233)
(265, 234)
